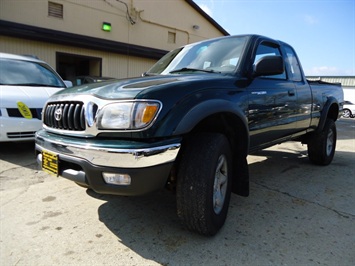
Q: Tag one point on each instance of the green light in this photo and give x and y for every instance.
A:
(106, 26)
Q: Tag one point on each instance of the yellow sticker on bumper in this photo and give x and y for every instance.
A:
(24, 110)
(50, 162)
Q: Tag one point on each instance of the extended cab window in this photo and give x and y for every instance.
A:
(265, 49)
(294, 65)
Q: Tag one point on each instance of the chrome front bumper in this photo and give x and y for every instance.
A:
(108, 153)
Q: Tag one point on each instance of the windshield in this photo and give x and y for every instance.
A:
(26, 73)
(219, 55)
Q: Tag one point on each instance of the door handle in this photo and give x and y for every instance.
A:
(291, 92)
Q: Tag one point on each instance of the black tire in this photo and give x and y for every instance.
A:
(347, 113)
(204, 183)
(321, 145)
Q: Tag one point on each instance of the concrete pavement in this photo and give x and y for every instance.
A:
(297, 214)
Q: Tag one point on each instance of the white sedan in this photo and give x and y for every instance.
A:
(25, 85)
(348, 109)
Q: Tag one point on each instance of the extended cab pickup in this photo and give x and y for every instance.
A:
(189, 123)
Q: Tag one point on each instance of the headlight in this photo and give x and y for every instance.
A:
(128, 115)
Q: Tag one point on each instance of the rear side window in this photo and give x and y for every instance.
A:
(26, 73)
(294, 64)
(265, 49)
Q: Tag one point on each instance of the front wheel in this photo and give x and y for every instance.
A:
(321, 146)
(204, 183)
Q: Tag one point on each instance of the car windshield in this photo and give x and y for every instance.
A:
(213, 56)
(26, 73)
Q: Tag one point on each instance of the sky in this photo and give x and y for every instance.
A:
(321, 31)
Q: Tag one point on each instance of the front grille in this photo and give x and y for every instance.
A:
(14, 112)
(65, 115)
(19, 135)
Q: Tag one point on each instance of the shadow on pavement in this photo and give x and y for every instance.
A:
(150, 227)
(19, 153)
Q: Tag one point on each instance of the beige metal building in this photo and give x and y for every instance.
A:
(102, 37)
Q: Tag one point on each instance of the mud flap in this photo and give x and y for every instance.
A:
(241, 177)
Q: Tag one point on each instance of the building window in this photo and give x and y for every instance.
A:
(55, 10)
(171, 37)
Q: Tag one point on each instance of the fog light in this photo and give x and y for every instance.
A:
(117, 179)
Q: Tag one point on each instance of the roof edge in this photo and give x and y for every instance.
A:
(207, 17)
(17, 30)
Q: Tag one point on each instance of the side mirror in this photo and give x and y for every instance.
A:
(268, 66)
(68, 83)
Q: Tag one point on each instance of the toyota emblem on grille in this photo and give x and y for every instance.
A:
(58, 114)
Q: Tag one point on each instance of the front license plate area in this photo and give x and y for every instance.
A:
(50, 162)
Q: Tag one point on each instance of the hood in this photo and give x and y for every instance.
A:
(130, 88)
(32, 96)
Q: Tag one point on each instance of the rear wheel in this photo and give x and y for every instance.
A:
(347, 113)
(321, 146)
(204, 183)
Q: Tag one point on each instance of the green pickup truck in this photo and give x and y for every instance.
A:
(189, 123)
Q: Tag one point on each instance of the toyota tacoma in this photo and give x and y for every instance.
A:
(189, 123)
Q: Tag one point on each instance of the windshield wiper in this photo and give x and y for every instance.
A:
(34, 85)
(186, 69)
(146, 74)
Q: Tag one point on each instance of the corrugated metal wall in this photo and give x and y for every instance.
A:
(113, 65)
(346, 81)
